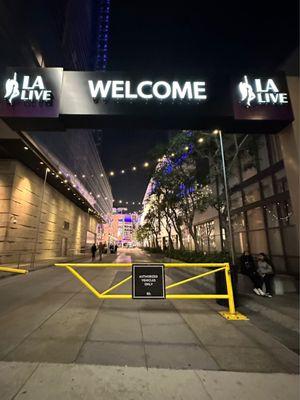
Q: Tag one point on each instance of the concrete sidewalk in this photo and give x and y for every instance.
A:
(55, 330)
(43, 381)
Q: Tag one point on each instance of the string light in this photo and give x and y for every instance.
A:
(133, 168)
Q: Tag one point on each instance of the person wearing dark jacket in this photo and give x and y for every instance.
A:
(93, 251)
(248, 268)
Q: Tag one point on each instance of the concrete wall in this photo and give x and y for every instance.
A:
(20, 205)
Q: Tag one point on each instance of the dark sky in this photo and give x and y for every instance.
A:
(189, 36)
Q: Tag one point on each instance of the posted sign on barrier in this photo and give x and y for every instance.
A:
(148, 281)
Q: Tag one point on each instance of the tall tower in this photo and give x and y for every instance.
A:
(102, 31)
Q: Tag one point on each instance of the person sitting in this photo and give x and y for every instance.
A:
(266, 273)
(248, 268)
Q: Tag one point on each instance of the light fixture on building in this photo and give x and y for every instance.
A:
(83, 176)
(111, 173)
(25, 148)
(101, 175)
(59, 172)
(69, 189)
(133, 203)
(98, 195)
(186, 148)
(215, 131)
(172, 154)
(200, 140)
(105, 198)
(123, 171)
(13, 219)
(146, 164)
(120, 201)
(65, 181)
(41, 162)
(133, 168)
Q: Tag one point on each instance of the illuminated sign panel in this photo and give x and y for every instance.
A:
(53, 99)
(261, 98)
(262, 91)
(147, 90)
(31, 92)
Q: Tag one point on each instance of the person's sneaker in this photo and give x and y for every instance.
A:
(261, 292)
(268, 295)
(256, 291)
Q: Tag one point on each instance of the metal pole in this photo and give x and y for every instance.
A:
(227, 198)
(39, 220)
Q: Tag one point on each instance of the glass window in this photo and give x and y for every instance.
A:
(272, 217)
(281, 181)
(263, 155)
(247, 165)
(238, 222)
(255, 218)
(240, 242)
(290, 240)
(267, 187)
(286, 213)
(275, 148)
(234, 177)
(258, 242)
(236, 200)
(279, 264)
(252, 193)
(275, 242)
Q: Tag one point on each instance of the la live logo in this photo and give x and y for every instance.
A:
(26, 89)
(261, 91)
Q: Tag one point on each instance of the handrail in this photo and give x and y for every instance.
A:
(14, 270)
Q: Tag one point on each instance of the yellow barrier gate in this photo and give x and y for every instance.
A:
(231, 314)
(14, 270)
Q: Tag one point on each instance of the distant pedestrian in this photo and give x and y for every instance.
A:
(116, 248)
(248, 268)
(100, 249)
(93, 251)
(111, 248)
(266, 273)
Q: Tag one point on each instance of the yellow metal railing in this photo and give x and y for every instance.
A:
(231, 314)
(14, 270)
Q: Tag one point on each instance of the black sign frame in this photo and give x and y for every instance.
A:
(72, 106)
(162, 282)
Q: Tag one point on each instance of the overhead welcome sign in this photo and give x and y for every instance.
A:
(52, 99)
(147, 90)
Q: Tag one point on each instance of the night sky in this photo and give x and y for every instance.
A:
(188, 37)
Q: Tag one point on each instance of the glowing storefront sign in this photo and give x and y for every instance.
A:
(26, 89)
(147, 90)
(262, 91)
